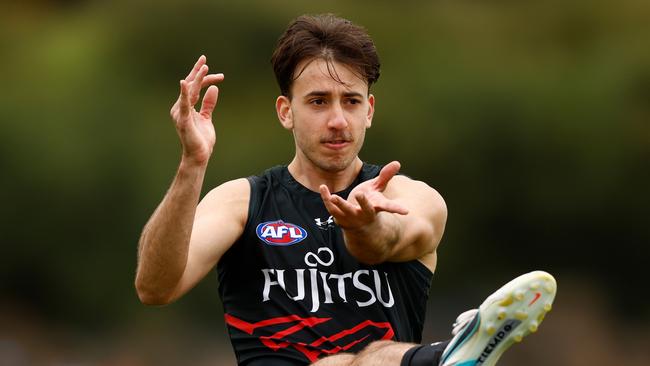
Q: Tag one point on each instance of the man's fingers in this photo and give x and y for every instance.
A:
(378, 202)
(366, 207)
(209, 101)
(200, 62)
(191, 87)
(344, 206)
(324, 192)
(334, 210)
(392, 207)
(211, 80)
(195, 86)
(184, 99)
(336, 205)
(331, 201)
(326, 196)
(386, 174)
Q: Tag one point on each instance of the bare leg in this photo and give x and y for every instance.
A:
(379, 353)
(344, 359)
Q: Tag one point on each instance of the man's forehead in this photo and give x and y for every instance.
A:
(321, 76)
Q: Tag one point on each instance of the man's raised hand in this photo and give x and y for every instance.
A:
(364, 202)
(195, 128)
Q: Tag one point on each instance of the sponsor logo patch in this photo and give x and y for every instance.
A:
(280, 233)
(324, 224)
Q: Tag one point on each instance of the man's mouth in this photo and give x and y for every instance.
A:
(336, 144)
(337, 141)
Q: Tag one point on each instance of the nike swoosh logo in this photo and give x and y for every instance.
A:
(537, 296)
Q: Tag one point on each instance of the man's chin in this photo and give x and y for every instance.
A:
(335, 165)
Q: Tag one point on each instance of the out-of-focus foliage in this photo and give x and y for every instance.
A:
(531, 118)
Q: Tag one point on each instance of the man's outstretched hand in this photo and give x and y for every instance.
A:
(365, 201)
(195, 128)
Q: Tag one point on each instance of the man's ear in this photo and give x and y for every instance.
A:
(371, 110)
(285, 115)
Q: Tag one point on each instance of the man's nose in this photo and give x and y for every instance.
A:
(337, 118)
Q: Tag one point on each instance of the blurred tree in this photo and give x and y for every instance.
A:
(532, 120)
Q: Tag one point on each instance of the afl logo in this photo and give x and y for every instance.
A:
(280, 233)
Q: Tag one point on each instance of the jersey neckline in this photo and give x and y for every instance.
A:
(290, 182)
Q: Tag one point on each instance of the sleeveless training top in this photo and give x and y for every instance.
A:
(293, 294)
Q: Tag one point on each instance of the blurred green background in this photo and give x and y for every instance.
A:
(531, 118)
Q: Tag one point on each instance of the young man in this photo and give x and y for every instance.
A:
(320, 258)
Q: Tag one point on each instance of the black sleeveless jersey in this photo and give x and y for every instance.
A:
(293, 294)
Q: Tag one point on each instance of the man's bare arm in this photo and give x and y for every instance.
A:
(181, 242)
(164, 243)
(168, 260)
(390, 218)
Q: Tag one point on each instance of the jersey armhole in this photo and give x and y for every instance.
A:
(254, 201)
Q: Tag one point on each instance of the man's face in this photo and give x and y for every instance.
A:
(328, 118)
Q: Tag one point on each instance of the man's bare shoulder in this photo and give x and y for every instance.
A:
(236, 187)
(232, 196)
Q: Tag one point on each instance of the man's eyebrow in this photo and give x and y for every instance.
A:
(319, 93)
(353, 94)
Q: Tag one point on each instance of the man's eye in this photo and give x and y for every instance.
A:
(318, 102)
(354, 101)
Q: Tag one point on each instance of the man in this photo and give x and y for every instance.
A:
(318, 259)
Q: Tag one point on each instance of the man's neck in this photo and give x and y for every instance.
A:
(312, 177)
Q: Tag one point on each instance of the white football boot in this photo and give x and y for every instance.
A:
(505, 317)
